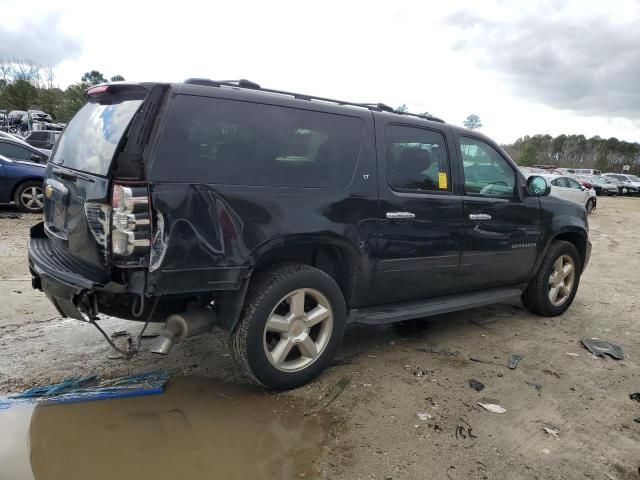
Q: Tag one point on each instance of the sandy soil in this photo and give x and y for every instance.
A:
(423, 366)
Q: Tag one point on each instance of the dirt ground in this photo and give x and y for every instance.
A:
(372, 430)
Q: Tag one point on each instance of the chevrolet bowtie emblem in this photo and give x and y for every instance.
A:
(48, 191)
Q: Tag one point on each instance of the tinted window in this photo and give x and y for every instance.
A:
(622, 178)
(574, 184)
(560, 182)
(416, 159)
(39, 136)
(486, 172)
(92, 136)
(241, 143)
(15, 152)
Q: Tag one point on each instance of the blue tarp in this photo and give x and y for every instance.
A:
(91, 388)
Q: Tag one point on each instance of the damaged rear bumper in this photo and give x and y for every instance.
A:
(68, 283)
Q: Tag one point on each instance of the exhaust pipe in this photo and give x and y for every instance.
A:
(182, 325)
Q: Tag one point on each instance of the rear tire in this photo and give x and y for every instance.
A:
(591, 205)
(29, 197)
(290, 328)
(539, 295)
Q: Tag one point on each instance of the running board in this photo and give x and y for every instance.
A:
(397, 312)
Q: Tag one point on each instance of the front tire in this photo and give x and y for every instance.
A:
(291, 326)
(591, 205)
(29, 197)
(554, 287)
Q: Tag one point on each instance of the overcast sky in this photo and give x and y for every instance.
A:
(525, 67)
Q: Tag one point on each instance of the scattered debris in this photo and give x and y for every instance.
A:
(438, 351)
(225, 396)
(337, 389)
(514, 360)
(601, 347)
(492, 407)
(637, 420)
(479, 360)
(476, 385)
(10, 215)
(367, 385)
(551, 372)
(572, 354)
(424, 416)
(464, 431)
(500, 375)
(537, 386)
(635, 396)
(73, 390)
(552, 432)
(546, 451)
(481, 322)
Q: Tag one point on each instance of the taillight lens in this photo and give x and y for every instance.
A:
(130, 224)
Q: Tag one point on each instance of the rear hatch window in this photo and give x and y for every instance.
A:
(91, 138)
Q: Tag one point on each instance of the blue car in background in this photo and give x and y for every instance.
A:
(21, 182)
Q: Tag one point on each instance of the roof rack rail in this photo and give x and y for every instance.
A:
(244, 83)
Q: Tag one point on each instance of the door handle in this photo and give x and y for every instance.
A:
(479, 216)
(400, 215)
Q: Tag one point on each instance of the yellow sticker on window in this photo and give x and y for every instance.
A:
(442, 180)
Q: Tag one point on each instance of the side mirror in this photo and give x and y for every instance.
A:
(538, 186)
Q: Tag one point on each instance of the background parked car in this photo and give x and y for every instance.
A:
(43, 139)
(630, 181)
(39, 116)
(21, 182)
(570, 189)
(19, 150)
(598, 184)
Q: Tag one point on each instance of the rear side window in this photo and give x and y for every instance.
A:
(39, 136)
(416, 159)
(210, 140)
(91, 138)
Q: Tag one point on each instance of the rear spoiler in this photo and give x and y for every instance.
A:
(97, 91)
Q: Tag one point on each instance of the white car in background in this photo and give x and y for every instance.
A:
(625, 178)
(566, 187)
(570, 189)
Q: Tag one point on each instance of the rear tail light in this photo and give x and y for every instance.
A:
(130, 225)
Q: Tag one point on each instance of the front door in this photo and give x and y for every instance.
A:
(420, 217)
(501, 225)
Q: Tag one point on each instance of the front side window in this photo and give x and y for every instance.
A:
(15, 152)
(416, 159)
(486, 172)
(232, 142)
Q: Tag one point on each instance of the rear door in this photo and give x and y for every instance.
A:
(420, 216)
(501, 226)
(77, 183)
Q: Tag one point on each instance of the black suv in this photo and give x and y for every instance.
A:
(282, 217)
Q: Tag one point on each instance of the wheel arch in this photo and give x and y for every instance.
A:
(575, 236)
(336, 256)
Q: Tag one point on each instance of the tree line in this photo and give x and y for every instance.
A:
(605, 154)
(26, 85)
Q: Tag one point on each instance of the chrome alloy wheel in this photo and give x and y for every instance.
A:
(562, 280)
(298, 330)
(31, 198)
